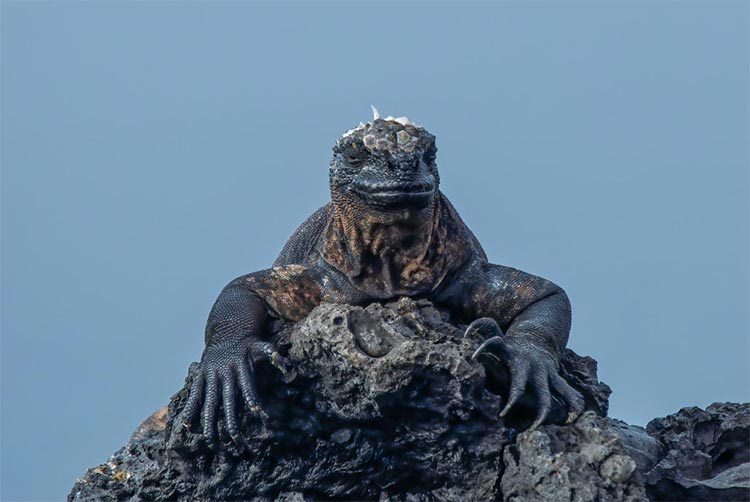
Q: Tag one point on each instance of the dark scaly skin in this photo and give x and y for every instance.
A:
(387, 232)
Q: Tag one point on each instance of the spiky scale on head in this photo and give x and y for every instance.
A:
(391, 134)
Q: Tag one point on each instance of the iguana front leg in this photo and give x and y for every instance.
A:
(234, 341)
(528, 319)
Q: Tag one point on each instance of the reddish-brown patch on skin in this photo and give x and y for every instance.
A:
(155, 423)
(291, 291)
(526, 290)
(402, 252)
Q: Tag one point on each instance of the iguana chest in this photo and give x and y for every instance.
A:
(388, 262)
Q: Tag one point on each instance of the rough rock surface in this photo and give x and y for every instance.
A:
(386, 404)
(708, 457)
(584, 461)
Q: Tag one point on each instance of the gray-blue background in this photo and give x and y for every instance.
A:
(152, 152)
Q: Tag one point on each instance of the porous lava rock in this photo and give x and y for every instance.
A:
(385, 403)
(707, 457)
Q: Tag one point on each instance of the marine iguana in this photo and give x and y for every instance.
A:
(387, 232)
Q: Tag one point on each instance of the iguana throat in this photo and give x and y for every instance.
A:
(389, 253)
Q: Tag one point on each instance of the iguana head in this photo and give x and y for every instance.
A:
(387, 164)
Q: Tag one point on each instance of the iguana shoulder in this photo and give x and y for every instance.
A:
(300, 248)
(462, 230)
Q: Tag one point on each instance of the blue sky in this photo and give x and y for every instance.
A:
(153, 151)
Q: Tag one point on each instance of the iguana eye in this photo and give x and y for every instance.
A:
(355, 159)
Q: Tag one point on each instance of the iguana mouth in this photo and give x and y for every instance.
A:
(392, 194)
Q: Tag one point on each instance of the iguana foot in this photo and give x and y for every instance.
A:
(529, 364)
(226, 369)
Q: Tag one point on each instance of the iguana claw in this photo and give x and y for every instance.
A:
(528, 364)
(495, 340)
